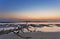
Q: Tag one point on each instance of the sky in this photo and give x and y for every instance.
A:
(30, 9)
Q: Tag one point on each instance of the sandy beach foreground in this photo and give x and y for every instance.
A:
(34, 35)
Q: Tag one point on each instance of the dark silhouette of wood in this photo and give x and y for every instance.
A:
(21, 36)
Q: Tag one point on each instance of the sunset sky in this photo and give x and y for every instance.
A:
(30, 9)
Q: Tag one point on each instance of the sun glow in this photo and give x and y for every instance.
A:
(37, 17)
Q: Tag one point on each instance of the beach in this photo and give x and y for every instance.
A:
(34, 35)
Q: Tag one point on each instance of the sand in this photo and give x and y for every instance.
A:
(34, 35)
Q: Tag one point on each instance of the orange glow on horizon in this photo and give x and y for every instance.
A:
(31, 17)
(37, 17)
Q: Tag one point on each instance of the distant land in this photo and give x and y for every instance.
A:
(22, 20)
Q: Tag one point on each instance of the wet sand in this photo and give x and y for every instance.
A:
(34, 35)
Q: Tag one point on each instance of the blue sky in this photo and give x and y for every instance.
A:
(29, 9)
(18, 5)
